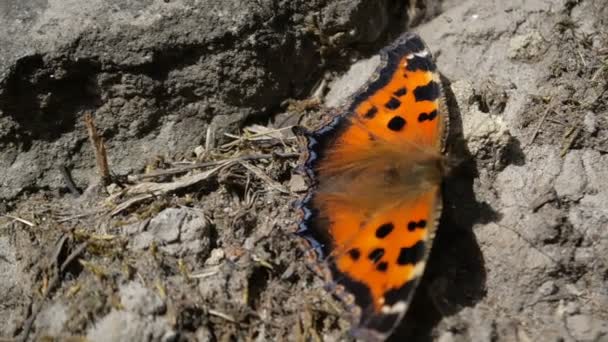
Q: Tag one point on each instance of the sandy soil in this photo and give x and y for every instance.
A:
(169, 252)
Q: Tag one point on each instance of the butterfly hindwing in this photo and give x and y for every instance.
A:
(375, 198)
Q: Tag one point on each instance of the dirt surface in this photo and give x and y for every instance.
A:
(169, 252)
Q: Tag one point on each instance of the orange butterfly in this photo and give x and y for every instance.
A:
(374, 202)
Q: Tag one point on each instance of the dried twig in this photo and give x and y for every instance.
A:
(19, 219)
(99, 148)
(207, 272)
(184, 169)
(126, 204)
(569, 138)
(223, 316)
(262, 134)
(69, 182)
(150, 189)
(74, 217)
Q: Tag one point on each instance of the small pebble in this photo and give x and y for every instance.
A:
(590, 122)
(548, 288)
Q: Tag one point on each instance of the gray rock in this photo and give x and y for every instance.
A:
(297, 184)
(584, 256)
(572, 180)
(587, 328)
(177, 231)
(204, 335)
(484, 133)
(568, 309)
(357, 75)
(446, 337)
(125, 326)
(590, 122)
(526, 46)
(166, 226)
(590, 217)
(139, 299)
(596, 169)
(51, 320)
(547, 288)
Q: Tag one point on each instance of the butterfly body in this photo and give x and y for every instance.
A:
(375, 171)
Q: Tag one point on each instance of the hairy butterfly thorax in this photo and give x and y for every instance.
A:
(375, 171)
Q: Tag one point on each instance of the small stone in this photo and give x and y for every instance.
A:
(547, 288)
(113, 188)
(526, 46)
(199, 151)
(134, 228)
(358, 74)
(177, 231)
(596, 167)
(483, 132)
(587, 328)
(166, 225)
(139, 299)
(129, 326)
(297, 183)
(571, 288)
(250, 243)
(51, 320)
(194, 227)
(170, 336)
(584, 255)
(204, 335)
(568, 309)
(590, 122)
(446, 337)
(217, 255)
(571, 181)
(141, 241)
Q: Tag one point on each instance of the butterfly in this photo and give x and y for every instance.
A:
(374, 200)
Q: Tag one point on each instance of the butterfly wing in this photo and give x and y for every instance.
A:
(373, 208)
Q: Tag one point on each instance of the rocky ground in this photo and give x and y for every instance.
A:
(194, 100)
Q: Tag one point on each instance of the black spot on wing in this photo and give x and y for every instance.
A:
(411, 255)
(430, 116)
(376, 254)
(393, 104)
(354, 254)
(400, 92)
(396, 123)
(412, 225)
(428, 92)
(384, 230)
(371, 113)
(382, 267)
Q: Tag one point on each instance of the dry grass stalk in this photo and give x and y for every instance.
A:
(99, 148)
